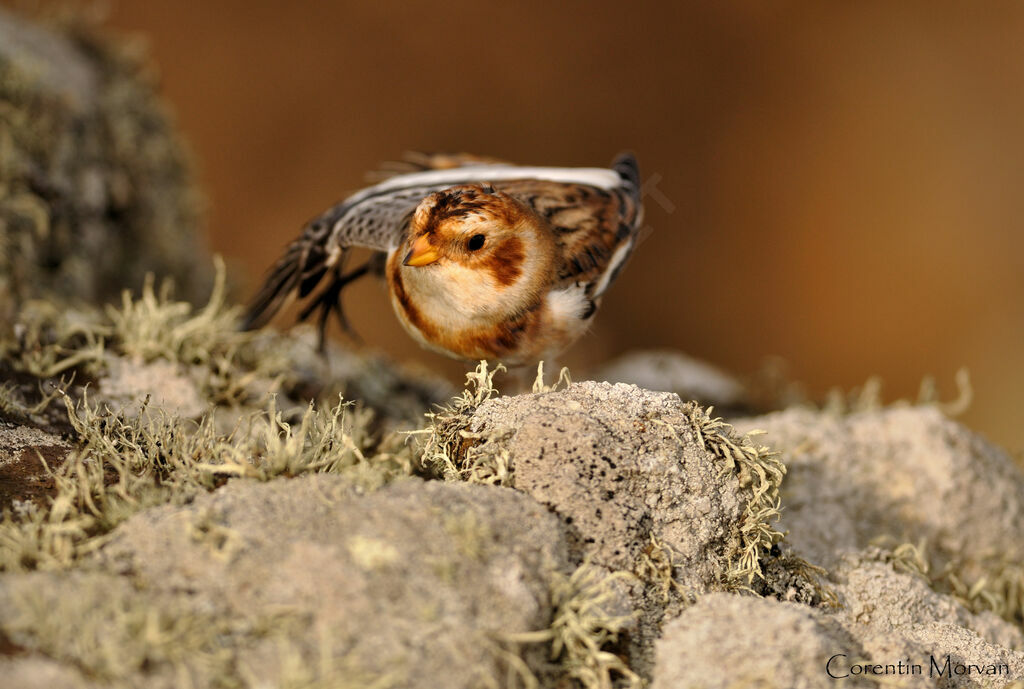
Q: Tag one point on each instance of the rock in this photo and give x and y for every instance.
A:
(886, 609)
(728, 640)
(415, 583)
(128, 382)
(906, 474)
(24, 481)
(634, 478)
(95, 190)
(619, 465)
(891, 623)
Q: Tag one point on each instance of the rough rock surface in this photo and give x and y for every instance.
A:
(892, 613)
(127, 382)
(409, 583)
(22, 476)
(736, 641)
(907, 474)
(886, 618)
(624, 470)
(619, 465)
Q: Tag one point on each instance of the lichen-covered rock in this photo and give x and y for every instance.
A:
(642, 482)
(890, 626)
(903, 475)
(399, 393)
(885, 609)
(620, 465)
(415, 583)
(164, 386)
(94, 185)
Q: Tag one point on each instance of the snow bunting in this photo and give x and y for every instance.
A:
(483, 259)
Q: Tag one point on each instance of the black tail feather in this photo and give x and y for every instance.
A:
(279, 284)
(625, 164)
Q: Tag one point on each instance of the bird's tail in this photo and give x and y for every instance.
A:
(629, 172)
(625, 164)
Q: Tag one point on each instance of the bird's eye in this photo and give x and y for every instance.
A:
(475, 243)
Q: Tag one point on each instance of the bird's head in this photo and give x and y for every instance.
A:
(484, 245)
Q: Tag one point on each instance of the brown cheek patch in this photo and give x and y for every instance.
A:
(411, 312)
(506, 263)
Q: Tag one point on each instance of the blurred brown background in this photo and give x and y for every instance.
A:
(843, 180)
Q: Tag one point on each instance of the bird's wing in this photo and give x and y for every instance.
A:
(415, 161)
(596, 226)
(377, 218)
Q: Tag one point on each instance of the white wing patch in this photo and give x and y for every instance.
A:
(569, 303)
(593, 176)
(618, 259)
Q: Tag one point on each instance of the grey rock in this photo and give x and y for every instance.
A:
(96, 187)
(729, 641)
(624, 470)
(415, 582)
(889, 622)
(619, 464)
(907, 474)
(128, 382)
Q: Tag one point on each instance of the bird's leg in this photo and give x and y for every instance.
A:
(329, 301)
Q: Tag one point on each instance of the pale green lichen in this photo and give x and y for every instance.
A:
(563, 381)
(758, 469)
(125, 464)
(908, 558)
(454, 453)
(320, 669)
(447, 437)
(656, 566)
(994, 583)
(208, 340)
(45, 341)
(472, 536)
(117, 634)
(113, 633)
(48, 341)
(583, 629)
(15, 405)
(868, 397)
(999, 590)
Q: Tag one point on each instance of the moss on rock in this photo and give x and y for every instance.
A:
(95, 184)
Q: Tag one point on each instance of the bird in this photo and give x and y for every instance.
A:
(484, 259)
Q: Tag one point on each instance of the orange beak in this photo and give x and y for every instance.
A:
(421, 253)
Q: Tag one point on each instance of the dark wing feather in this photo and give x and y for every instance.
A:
(593, 225)
(319, 255)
